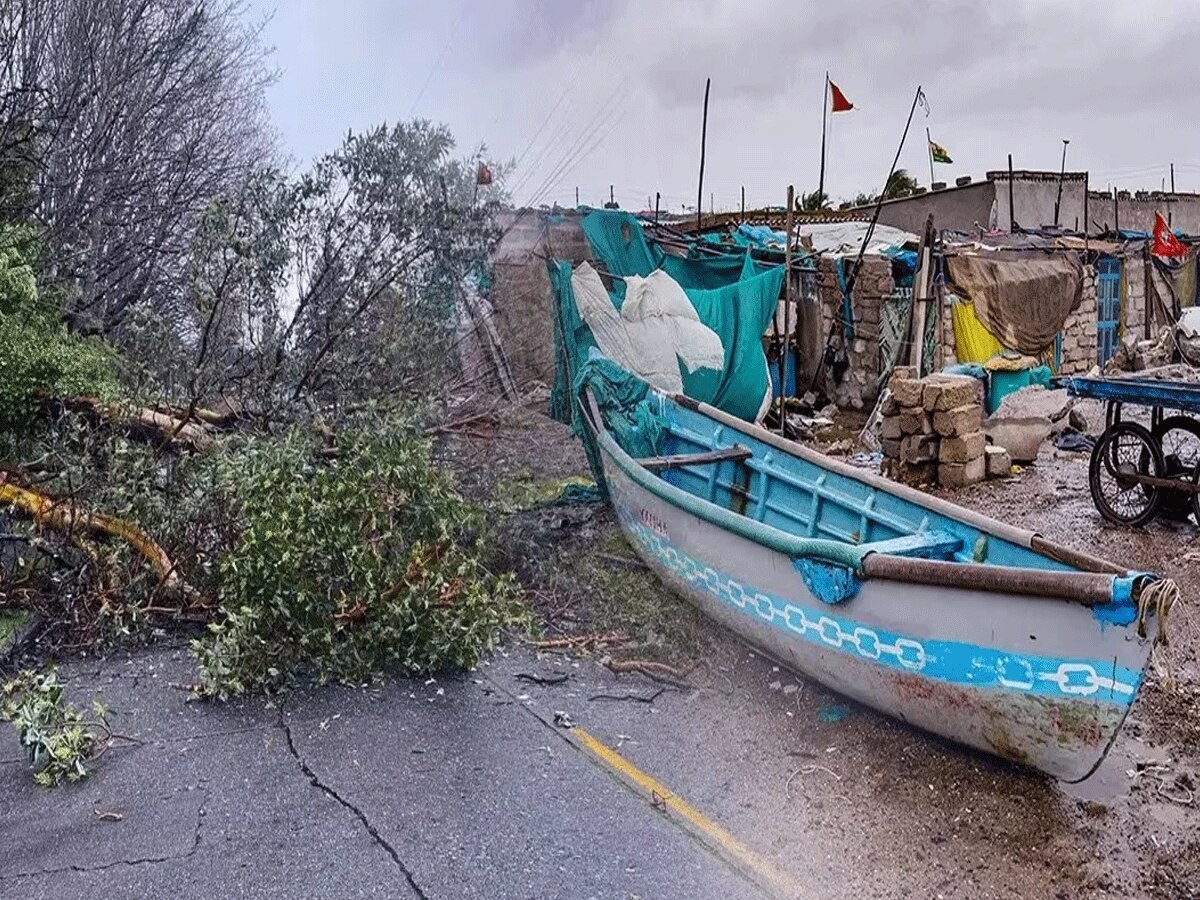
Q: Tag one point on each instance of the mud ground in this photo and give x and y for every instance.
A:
(891, 811)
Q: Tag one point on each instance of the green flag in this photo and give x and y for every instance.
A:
(939, 153)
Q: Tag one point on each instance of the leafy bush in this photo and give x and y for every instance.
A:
(38, 355)
(56, 738)
(349, 567)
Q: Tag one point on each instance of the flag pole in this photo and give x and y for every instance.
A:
(703, 142)
(929, 150)
(824, 117)
(853, 276)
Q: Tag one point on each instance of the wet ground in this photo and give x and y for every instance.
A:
(723, 776)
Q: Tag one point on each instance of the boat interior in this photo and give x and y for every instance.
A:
(786, 491)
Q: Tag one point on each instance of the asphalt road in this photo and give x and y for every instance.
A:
(453, 789)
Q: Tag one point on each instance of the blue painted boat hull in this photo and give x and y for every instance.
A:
(1043, 682)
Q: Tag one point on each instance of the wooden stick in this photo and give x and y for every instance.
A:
(787, 299)
(703, 141)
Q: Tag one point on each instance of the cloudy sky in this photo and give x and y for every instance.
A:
(588, 93)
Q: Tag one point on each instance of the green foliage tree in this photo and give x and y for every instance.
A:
(899, 184)
(814, 202)
(39, 357)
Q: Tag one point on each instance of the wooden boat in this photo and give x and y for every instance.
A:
(982, 633)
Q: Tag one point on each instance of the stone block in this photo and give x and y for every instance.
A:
(997, 460)
(948, 391)
(1021, 437)
(961, 474)
(963, 448)
(890, 447)
(960, 420)
(916, 473)
(890, 406)
(919, 448)
(908, 391)
(903, 373)
(890, 428)
(914, 420)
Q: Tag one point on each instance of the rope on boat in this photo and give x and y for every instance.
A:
(1158, 598)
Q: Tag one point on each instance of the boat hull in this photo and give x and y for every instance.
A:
(1039, 682)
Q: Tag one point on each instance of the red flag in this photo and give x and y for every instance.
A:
(483, 175)
(840, 103)
(1165, 243)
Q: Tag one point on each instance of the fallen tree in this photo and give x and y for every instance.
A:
(68, 517)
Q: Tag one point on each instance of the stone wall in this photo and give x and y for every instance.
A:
(1133, 297)
(859, 386)
(521, 298)
(1079, 331)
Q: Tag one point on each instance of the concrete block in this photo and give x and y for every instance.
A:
(890, 428)
(948, 391)
(890, 447)
(960, 420)
(907, 391)
(961, 474)
(1021, 437)
(997, 460)
(914, 420)
(919, 448)
(962, 449)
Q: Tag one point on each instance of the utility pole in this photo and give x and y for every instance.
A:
(1012, 219)
(744, 202)
(657, 198)
(611, 197)
(1062, 172)
(703, 141)
(576, 197)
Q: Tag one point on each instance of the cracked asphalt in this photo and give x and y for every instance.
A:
(406, 789)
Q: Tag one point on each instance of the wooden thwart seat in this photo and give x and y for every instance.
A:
(926, 545)
(736, 453)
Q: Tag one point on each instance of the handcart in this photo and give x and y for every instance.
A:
(1137, 472)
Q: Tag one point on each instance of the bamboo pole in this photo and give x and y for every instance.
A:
(787, 311)
(703, 142)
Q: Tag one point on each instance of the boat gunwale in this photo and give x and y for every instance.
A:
(1088, 588)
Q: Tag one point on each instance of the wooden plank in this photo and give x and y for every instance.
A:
(658, 463)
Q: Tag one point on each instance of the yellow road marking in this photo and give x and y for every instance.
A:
(763, 872)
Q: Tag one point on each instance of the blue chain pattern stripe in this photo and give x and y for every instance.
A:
(949, 661)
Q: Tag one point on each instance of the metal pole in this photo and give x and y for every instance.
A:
(1062, 173)
(787, 311)
(824, 117)
(1116, 212)
(657, 198)
(744, 202)
(703, 141)
(1012, 219)
(929, 150)
(1171, 202)
(1086, 181)
(576, 197)
(611, 197)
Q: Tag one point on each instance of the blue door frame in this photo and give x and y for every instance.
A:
(1108, 307)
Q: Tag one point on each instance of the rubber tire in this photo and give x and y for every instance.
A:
(1153, 455)
(1176, 504)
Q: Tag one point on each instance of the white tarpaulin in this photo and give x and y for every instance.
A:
(844, 238)
(654, 331)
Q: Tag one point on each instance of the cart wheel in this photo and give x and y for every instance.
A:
(1179, 438)
(1123, 452)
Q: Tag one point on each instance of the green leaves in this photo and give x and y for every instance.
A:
(56, 739)
(345, 570)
